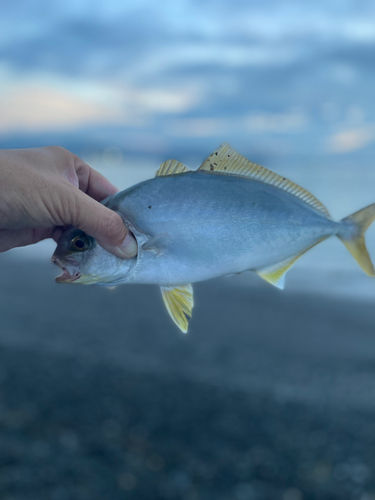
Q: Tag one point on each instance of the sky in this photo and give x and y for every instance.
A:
(285, 80)
(289, 84)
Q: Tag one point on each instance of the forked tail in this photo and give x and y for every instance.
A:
(352, 234)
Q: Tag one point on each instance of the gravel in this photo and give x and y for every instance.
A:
(93, 411)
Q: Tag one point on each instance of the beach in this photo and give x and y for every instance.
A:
(271, 394)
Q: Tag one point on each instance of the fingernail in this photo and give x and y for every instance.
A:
(129, 247)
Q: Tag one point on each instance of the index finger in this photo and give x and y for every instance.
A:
(92, 183)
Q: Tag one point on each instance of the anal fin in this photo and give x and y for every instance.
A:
(275, 274)
(179, 303)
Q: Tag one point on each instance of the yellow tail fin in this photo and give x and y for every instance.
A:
(352, 234)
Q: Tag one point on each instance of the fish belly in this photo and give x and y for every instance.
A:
(202, 225)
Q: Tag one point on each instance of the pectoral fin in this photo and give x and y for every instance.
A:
(179, 303)
(157, 244)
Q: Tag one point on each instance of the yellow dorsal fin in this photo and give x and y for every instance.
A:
(170, 167)
(227, 160)
(179, 303)
(275, 274)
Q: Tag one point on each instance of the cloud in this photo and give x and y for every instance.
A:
(153, 100)
(190, 69)
(197, 127)
(42, 108)
(276, 122)
(351, 140)
(124, 38)
(62, 104)
(281, 123)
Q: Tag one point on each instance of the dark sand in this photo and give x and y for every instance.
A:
(271, 395)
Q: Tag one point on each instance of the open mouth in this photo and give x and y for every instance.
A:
(70, 271)
(66, 277)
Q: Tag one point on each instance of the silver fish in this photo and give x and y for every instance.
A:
(229, 216)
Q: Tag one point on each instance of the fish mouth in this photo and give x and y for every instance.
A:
(70, 270)
(66, 277)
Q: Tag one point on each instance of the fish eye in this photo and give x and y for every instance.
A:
(80, 243)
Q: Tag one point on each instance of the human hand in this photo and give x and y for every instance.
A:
(44, 189)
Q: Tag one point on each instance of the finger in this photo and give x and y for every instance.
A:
(103, 224)
(56, 233)
(93, 183)
(42, 234)
(13, 238)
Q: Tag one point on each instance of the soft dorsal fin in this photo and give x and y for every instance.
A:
(179, 303)
(170, 167)
(227, 160)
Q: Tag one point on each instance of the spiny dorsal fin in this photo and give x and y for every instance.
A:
(179, 303)
(170, 167)
(275, 274)
(227, 160)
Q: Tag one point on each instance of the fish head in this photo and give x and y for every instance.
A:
(84, 261)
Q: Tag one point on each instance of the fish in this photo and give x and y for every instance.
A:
(229, 216)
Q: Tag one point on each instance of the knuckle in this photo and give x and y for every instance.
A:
(114, 228)
(57, 149)
(69, 208)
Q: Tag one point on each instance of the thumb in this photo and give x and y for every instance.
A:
(103, 224)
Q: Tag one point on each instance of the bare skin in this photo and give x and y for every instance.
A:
(44, 189)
